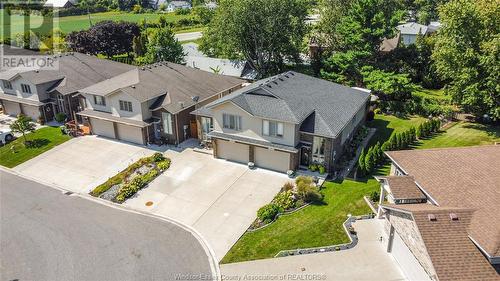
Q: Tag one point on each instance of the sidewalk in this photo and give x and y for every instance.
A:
(367, 261)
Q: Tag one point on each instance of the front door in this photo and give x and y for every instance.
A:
(305, 156)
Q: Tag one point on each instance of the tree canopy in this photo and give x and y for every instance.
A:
(467, 54)
(266, 33)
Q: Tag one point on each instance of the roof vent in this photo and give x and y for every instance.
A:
(276, 83)
(181, 104)
(268, 86)
(195, 98)
(281, 79)
(143, 68)
(286, 76)
(453, 217)
(291, 73)
(133, 86)
(432, 217)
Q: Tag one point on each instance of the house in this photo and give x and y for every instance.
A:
(176, 5)
(284, 122)
(60, 3)
(198, 60)
(440, 209)
(152, 102)
(407, 34)
(42, 93)
(212, 5)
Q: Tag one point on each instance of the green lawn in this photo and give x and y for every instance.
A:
(433, 94)
(386, 125)
(46, 138)
(463, 134)
(313, 226)
(76, 23)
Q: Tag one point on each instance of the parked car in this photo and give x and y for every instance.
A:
(6, 136)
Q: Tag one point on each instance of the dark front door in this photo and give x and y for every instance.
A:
(305, 155)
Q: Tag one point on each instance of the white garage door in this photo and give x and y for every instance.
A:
(11, 108)
(102, 128)
(31, 111)
(232, 151)
(407, 261)
(130, 134)
(272, 159)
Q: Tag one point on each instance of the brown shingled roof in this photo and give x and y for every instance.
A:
(452, 253)
(404, 187)
(461, 177)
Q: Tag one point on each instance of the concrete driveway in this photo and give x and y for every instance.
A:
(367, 261)
(218, 198)
(82, 163)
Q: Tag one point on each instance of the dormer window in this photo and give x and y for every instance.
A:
(125, 106)
(7, 85)
(98, 100)
(26, 88)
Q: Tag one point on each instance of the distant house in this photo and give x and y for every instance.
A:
(236, 68)
(60, 3)
(407, 34)
(175, 5)
(439, 208)
(212, 5)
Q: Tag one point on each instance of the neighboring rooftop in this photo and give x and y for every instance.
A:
(454, 256)
(466, 177)
(412, 28)
(179, 83)
(320, 106)
(404, 187)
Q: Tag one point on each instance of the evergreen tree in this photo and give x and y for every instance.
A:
(419, 131)
(386, 146)
(368, 160)
(399, 143)
(361, 162)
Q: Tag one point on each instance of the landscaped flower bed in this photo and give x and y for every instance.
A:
(292, 197)
(135, 177)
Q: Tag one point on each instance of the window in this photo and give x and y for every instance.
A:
(98, 100)
(206, 124)
(232, 122)
(272, 128)
(26, 88)
(125, 106)
(318, 151)
(167, 122)
(7, 85)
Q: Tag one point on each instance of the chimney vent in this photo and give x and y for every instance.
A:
(432, 217)
(453, 217)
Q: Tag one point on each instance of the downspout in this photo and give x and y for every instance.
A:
(176, 130)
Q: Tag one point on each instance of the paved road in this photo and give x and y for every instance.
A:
(188, 36)
(45, 235)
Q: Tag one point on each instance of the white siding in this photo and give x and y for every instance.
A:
(139, 111)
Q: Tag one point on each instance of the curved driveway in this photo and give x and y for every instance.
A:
(45, 235)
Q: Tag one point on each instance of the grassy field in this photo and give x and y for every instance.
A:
(316, 225)
(46, 138)
(321, 225)
(76, 23)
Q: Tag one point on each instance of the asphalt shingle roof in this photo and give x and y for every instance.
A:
(292, 97)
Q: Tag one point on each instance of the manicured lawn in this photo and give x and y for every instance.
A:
(463, 134)
(433, 94)
(46, 138)
(314, 226)
(81, 22)
(386, 125)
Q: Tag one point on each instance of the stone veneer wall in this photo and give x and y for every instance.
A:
(407, 229)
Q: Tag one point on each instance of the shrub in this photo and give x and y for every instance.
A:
(60, 117)
(163, 165)
(375, 196)
(303, 179)
(126, 191)
(313, 195)
(284, 200)
(268, 212)
(361, 162)
(287, 186)
(377, 111)
(139, 181)
(321, 169)
(157, 157)
(308, 192)
(313, 167)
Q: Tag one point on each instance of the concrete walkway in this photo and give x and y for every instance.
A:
(367, 261)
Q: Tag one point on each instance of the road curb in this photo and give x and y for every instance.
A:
(214, 265)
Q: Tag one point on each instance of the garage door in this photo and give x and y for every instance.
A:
(130, 134)
(236, 152)
(102, 128)
(11, 108)
(31, 111)
(272, 159)
(407, 261)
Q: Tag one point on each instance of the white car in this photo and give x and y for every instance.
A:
(6, 136)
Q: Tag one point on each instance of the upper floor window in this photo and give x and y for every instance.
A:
(232, 122)
(7, 85)
(272, 128)
(125, 106)
(98, 100)
(26, 88)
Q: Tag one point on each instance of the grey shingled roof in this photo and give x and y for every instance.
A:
(178, 82)
(412, 28)
(322, 107)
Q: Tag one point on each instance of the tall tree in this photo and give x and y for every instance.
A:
(23, 125)
(332, 12)
(162, 46)
(107, 37)
(467, 53)
(266, 33)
